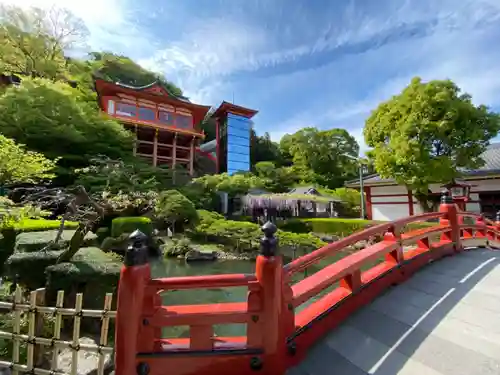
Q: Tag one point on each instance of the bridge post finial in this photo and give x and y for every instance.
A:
(269, 243)
(137, 249)
(446, 197)
(134, 278)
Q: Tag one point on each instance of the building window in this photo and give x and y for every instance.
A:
(111, 107)
(147, 114)
(127, 110)
(166, 118)
(183, 122)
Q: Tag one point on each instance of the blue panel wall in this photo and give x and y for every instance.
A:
(238, 144)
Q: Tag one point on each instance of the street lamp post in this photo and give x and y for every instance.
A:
(361, 182)
(362, 190)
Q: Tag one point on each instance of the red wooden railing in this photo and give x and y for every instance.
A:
(277, 335)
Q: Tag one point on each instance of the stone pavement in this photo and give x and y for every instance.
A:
(445, 320)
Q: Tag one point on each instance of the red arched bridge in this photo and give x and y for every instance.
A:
(370, 312)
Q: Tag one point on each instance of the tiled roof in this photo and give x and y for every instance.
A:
(491, 165)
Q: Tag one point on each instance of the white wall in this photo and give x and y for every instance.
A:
(396, 211)
(389, 212)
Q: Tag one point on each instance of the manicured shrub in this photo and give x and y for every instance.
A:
(30, 267)
(176, 247)
(175, 210)
(122, 225)
(336, 226)
(39, 225)
(34, 241)
(91, 272)
(241, 236)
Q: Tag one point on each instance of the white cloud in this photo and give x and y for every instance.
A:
(460, 47)
(110, 26)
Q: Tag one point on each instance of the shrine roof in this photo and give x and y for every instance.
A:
(491, 158)
(227, 107)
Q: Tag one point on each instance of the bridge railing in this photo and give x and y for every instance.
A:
(283, 319)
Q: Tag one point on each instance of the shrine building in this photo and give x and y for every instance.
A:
(167, 128)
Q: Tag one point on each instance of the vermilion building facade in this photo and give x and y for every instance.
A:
(167, 127)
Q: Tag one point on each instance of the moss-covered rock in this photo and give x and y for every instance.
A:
(34, 241)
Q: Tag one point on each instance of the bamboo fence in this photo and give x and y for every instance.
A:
(37, 346)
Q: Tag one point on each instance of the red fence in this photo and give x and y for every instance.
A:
(277, 336)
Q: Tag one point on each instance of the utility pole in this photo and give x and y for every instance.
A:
(362, 190)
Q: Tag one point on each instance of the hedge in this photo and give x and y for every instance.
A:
(122, 225)
(335, 226)
(38, 225)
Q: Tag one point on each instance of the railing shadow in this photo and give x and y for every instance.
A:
(387, 336)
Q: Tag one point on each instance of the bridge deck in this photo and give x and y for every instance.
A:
(445, 320)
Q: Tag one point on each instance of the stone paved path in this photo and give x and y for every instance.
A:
(445, 320)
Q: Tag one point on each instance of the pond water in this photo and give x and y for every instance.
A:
(174, 267)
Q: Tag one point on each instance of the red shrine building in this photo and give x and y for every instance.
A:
(167, 127)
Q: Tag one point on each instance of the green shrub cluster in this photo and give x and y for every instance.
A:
(122, 225)
(176, 247)
(241, 236)
(336, 226)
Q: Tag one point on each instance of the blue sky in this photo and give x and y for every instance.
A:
(302, 63)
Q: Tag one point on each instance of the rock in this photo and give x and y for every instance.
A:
(87, 361)
(197, 255)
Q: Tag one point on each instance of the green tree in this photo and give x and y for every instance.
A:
(427, 134)
(122, 69)
(52, 118)
(262, 148)
(20, 165)
(173, 208)
(276, 179)
(322, 156)
(33, 40)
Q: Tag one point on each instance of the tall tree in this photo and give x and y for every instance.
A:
(263, 149)
(122, 69)
(428, 133)
(33, 41)
(52, 119)
(323, 156)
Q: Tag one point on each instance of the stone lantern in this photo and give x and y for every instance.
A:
(459, 191)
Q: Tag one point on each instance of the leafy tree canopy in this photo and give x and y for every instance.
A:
(50, 118)
(20, 165)
(122, 69)
(34, 40)
(322, 156)
(428, 133)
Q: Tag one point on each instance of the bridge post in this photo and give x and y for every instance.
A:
(134, 276)
(269, 273)
(451, 218)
